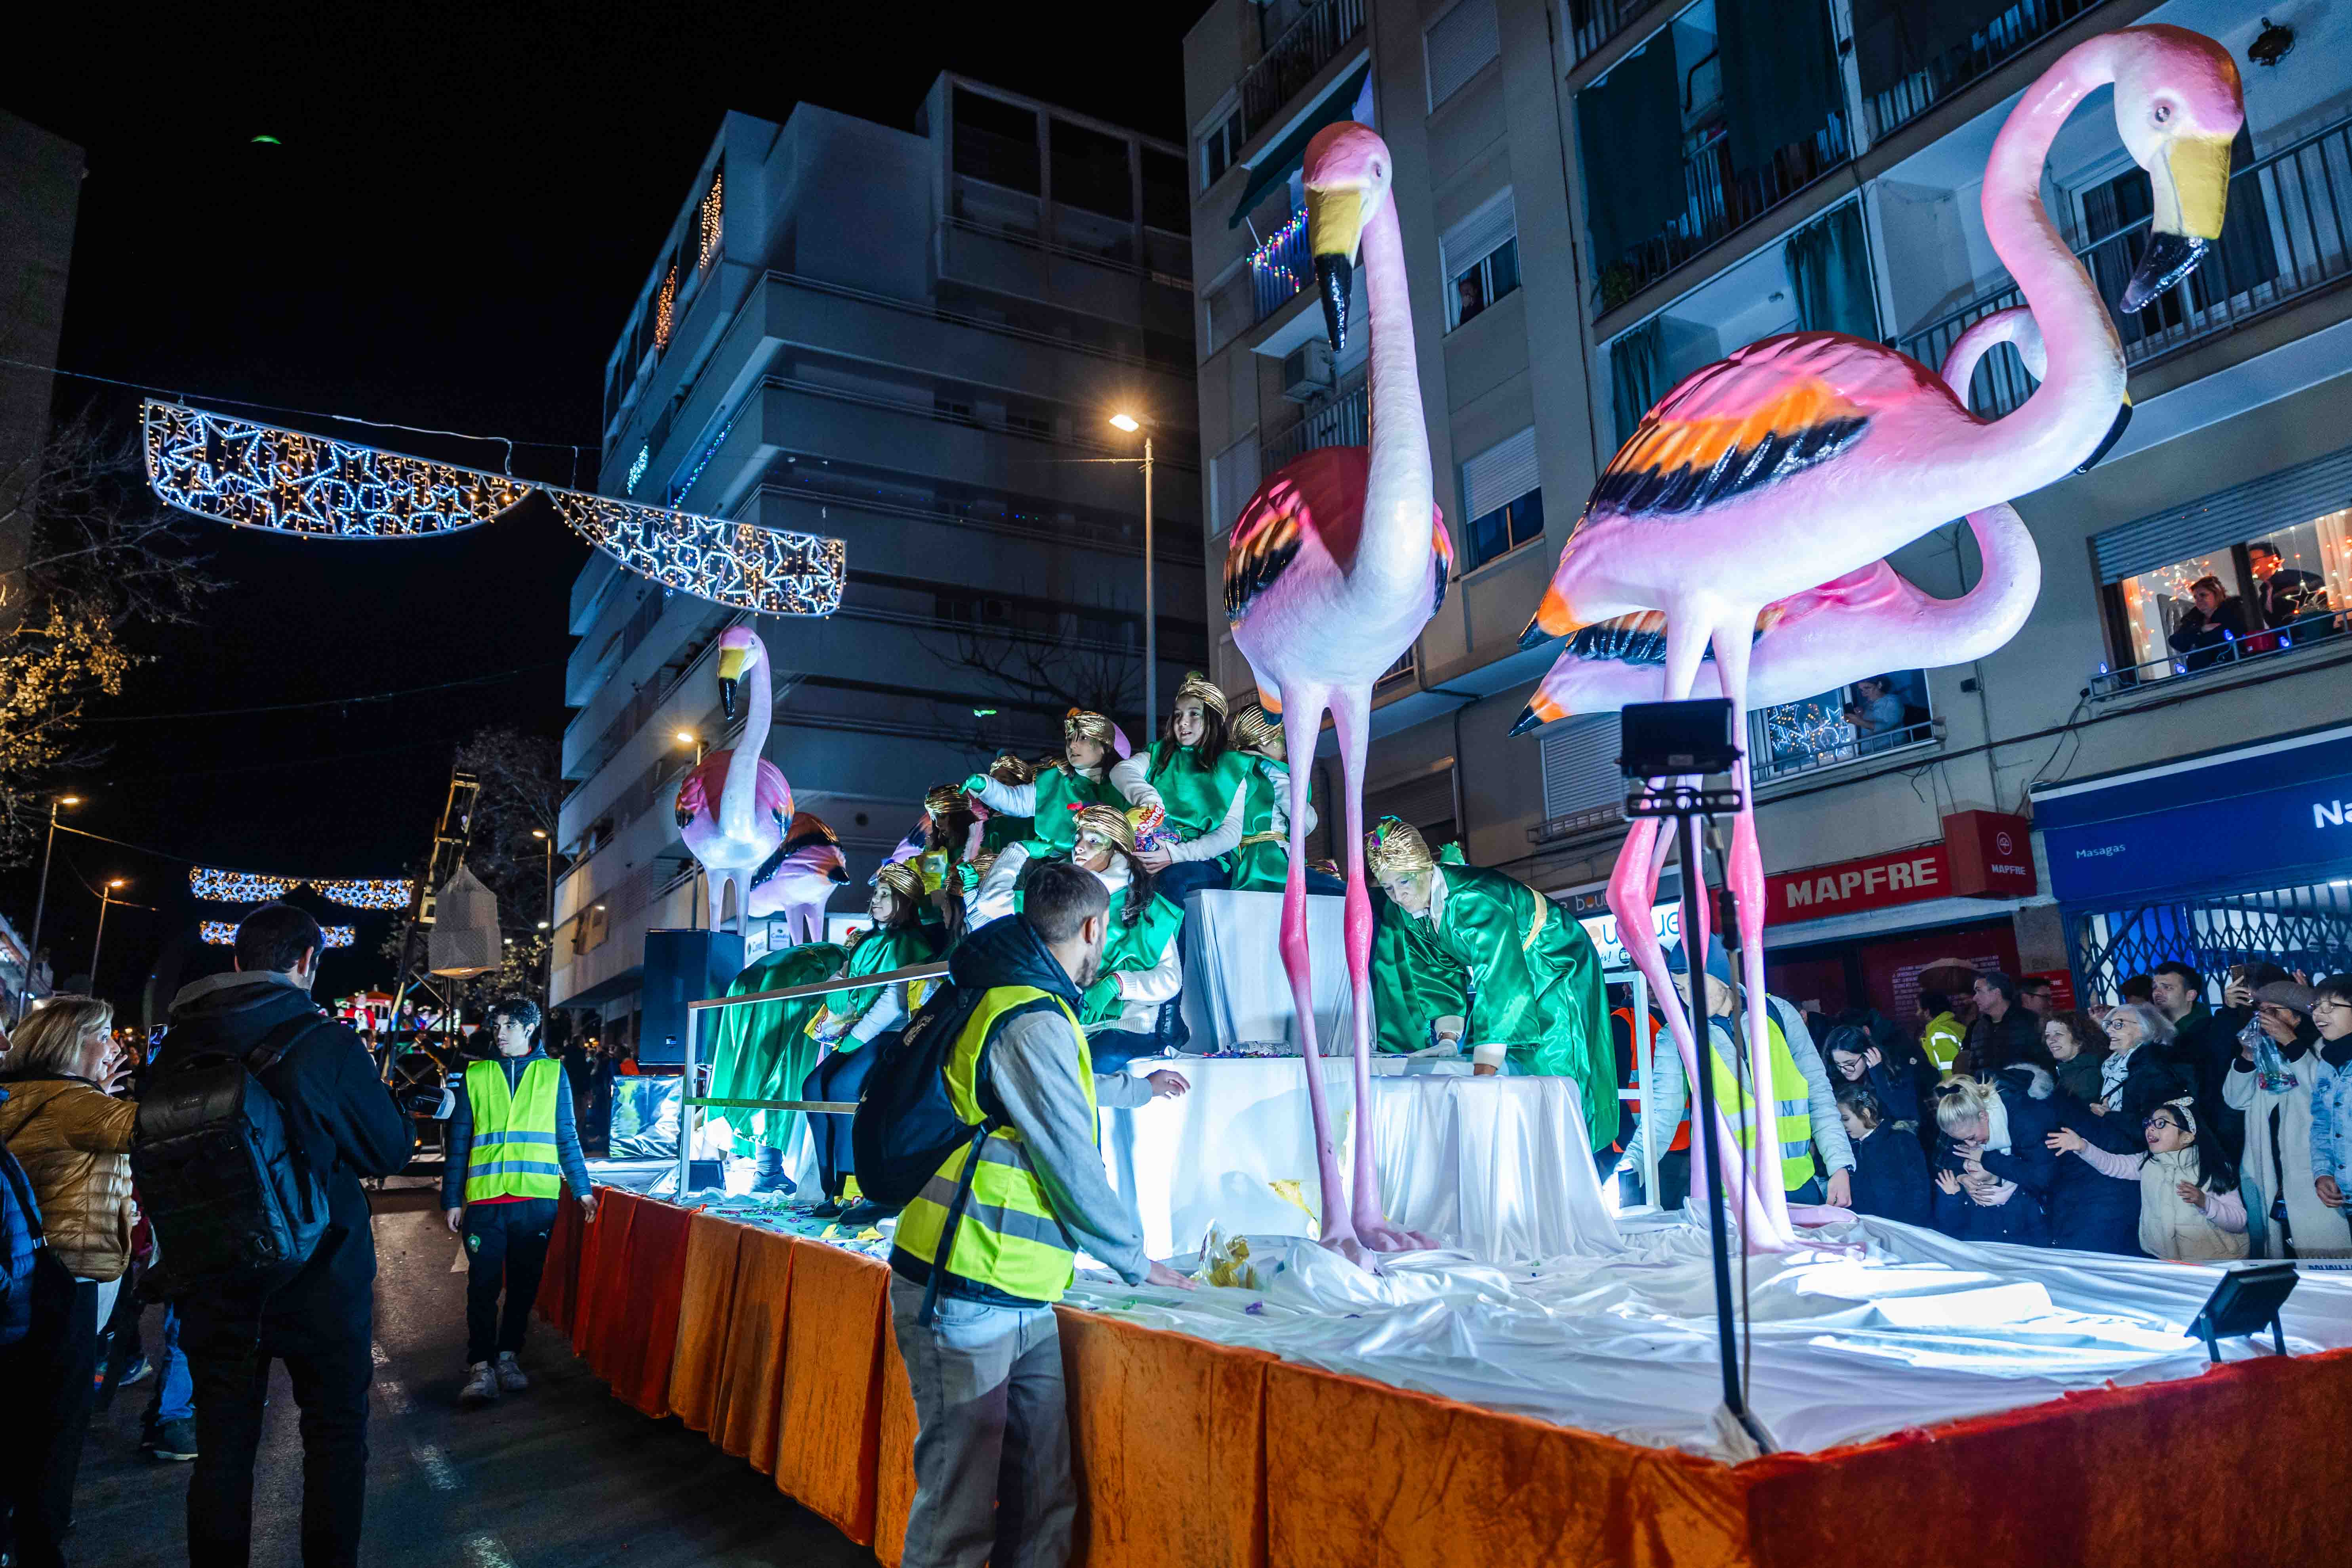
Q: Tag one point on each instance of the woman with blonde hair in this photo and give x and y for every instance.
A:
(1994, 1164)
(59, 1119)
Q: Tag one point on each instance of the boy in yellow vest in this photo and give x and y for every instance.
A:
(986, 1368)
(513, 1148)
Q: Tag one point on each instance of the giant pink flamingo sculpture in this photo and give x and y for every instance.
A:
(1336, 564)
(800, 877)
(734, 804)
(1802, 458)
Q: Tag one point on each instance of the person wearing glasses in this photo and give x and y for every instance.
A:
(2189, 1208)
(2331, 1098)
(2271, 1080)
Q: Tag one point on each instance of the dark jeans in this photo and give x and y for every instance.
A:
(506, 1245)
(1175, 884)
(47, 1376)
(319, 1326)
(841, 1076)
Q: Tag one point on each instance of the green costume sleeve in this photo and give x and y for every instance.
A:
(1538, 986)
(879, 954)
(1262, 864)
(1414, 981)
(1129, 947)
(755, 1051)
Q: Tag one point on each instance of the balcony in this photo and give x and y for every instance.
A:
(1280, 268)
(1873, 719)
(1592, 23)
(1907, 63)
(2289, 234)
(1294, 59)
(1344, 421)
(2305, 631)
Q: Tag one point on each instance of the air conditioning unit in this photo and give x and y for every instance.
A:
(1307, 371)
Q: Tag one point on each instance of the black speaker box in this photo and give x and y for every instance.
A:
(682, 966)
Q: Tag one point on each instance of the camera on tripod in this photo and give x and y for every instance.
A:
(1673, 742)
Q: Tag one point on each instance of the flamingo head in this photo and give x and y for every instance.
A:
(739, 649)
(2178, 106)
(1346, 170)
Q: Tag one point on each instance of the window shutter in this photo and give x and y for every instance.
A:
(1424, 802)
(1579, 766)
(1499, 475)
(1478, 234)
(1458, 45)
(2234, 516)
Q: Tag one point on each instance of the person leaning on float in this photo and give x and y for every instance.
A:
(1804, 1103)
(1462, 955)
(1262, 859)
(1084, 774)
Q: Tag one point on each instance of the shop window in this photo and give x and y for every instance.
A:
(1881, 713)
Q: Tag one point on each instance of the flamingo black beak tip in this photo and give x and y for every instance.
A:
(1331, 279)
(1529, 720)
(1534, 635)
(2170, 257)
(727, 698)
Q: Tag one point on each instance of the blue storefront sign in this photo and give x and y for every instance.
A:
(2267, 813)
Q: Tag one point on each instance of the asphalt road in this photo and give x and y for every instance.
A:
(563, 1476)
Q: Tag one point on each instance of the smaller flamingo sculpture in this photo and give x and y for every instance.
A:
(733, 805)
(799, 878)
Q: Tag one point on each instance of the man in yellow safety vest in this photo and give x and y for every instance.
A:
(986, 1371)
(513, 1148)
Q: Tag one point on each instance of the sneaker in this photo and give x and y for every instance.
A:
(171, 1440)
(831, 1208)
(510, 1376)
(138, 1372)
(482, 1387)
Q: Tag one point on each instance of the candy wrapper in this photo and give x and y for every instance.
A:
(1151, 830)
(1225, 1261)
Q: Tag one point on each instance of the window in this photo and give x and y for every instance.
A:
(1164, 198)
(1457, 46)
(1232, 480)
(1091, 172)
(1503, 499)
(1221, 144)
(1583, 787)
(1427, 803)
(996, 141)
(1481, 258)
(1883, 712)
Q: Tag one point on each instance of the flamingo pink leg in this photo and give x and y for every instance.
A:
(1302, 726)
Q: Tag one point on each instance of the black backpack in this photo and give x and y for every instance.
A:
(905, 1125)
(217, 1167)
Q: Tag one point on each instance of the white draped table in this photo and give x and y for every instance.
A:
(1236, 989)
(1499, 1168)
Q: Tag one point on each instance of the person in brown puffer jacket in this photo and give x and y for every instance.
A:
(73, 1139)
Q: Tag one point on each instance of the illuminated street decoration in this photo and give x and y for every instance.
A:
(637, 469)
(711, 217)
(369, 892)
(284, 481)
(220, 933)
(237, 887)
(340, 936)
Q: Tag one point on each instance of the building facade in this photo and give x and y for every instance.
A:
(912, 340)
(1600, 196)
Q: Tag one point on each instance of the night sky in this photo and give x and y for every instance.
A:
(464, 203)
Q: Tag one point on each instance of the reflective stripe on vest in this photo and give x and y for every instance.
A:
(513, 1153)
(1792, 1108)
(1008, 1239)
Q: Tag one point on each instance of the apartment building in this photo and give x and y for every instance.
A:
(913, 341)
(1598, 196)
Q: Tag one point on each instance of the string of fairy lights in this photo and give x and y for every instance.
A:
(1269, 256)
(286, 481)
(223, 934)
(220, 886)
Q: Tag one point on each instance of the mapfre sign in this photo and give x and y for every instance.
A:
(1898, 877)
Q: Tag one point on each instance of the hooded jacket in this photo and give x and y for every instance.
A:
(338, 1111)
(74, 1141)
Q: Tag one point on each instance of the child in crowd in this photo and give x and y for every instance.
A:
(1992, 1185)
(2189, 1210)
(1890, 1169)
(1854, 1058)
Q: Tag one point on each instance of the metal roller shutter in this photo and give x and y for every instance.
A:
(1458, 45)
(2233, 516)
(1499, 475)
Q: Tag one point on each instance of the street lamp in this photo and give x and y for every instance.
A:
(547, 838)
(688, 738)
(105, 897)
(1132, 424)
(40, 905)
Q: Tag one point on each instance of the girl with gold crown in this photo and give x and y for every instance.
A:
(1262, 859)
(1518, 980)
(1203, 784)
(1087, 772)
(847, 1026)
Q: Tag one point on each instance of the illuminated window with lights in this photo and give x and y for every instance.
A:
(1880, 713)
(1481, 259)
(2257, 570)
(1503, 499)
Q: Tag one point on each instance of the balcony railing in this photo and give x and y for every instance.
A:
(1292, 60)
(1345, 421)
(1717, 200)
(2228, 656)
(1281, 266)
(1839, 745)
(1592, 23)
(2289, 234)
(2003, 37)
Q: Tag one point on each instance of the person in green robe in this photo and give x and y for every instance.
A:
(847, 1026)
(1050, 796)
(1262, 859)
(1142, 969)
(1517, 979)
(1204, 786)
(757, 1051)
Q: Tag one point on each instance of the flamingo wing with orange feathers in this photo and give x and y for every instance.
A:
(1311, 510)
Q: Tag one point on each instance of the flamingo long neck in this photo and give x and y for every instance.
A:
(1984, 617)
(2061, 423)
(738, 795)
(1393, 551)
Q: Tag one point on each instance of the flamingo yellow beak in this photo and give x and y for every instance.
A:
(1335, 228)
(731, 670)
(2191, 185)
